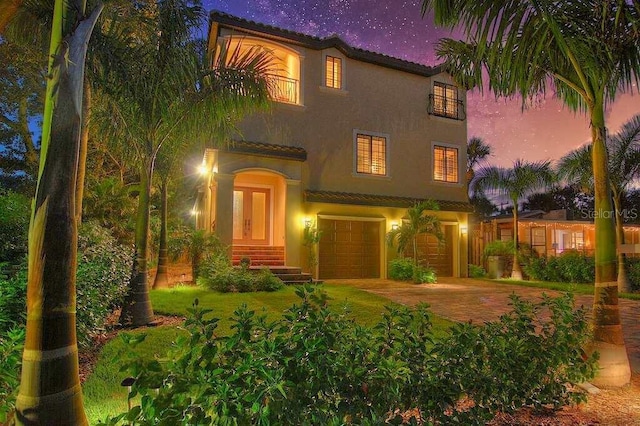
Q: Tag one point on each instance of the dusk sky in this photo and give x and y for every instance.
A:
(395, 28)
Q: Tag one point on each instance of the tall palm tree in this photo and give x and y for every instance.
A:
(624, 169)
(517, 182)
(50, 387)
(160, 94)
(419, 221)
(586, 51)
(477, 152)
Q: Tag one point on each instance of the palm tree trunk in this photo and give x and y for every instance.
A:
(50, 390)
(136, 309)
(607, 339)
(623, 279)
(162, 275)
(84, 143)
(516, 271)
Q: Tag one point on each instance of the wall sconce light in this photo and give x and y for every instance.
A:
(394, 226)
(202, 169)
(463, 229)
(307, 222)
(194, 212)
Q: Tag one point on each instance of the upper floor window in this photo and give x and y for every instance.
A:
(333, 72)
(371, 154)
(445, 164)
(444, 101)
(285, 73)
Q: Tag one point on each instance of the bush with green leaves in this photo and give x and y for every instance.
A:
(424, 275)
(317, 366)
(569, 267)
(13, 300)
(102, 278)
(217, 273)
(15, 212)
(633, 272)
(476, 271)
(11, 344)
(401, 269)
(404, 269)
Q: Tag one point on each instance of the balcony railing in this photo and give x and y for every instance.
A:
(446, 107)
(284, 89)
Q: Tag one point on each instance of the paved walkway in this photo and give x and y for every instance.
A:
(464, 299)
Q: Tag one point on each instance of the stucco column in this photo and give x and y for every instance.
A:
(224, 209)
(292, 223)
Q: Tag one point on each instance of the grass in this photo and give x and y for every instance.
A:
(586, 289)
(102, 391)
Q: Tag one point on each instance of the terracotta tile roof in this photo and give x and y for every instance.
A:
(380, 200)
(318, 43)
(268, 150)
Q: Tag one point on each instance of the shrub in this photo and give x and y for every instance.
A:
(15, 212)
(476, 271)
(633, 272)
(569, 267)
(216, 273)
(318, 366)
(11, 344)
(13, 300)
(266, 281)
(401, 269)
(424, 274)
(498, 248)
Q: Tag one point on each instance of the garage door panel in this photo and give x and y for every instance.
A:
(349, 249)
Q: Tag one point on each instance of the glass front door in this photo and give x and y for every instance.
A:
(251, 218)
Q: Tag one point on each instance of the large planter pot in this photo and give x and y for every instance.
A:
(495, 266)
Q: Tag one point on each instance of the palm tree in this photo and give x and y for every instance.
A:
(419, 222)
(587, 51)
(160, 94)
(516, 183)
(50, 387)
(477, 152)
(624, 169)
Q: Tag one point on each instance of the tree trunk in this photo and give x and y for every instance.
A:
(607, 329)
(162, 274)
(84, 143)
(50, 390)
(136, 309)
(623, 279)
(516, 271)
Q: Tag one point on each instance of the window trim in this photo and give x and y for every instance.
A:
(343, 73)
(387, 151)
(446, 146)
(459, 112)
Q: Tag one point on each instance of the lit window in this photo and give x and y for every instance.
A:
(371, 154)
(445, 100)
(445, 164)
(333, 72)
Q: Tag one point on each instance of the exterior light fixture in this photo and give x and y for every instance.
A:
(194, 212)
(394, 226)
(307, 222)
(202, 169)
(463, 229)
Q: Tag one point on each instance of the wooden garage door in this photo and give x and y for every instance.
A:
(349, 249)
(439, 257)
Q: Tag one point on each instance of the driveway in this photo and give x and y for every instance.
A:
(465, 299)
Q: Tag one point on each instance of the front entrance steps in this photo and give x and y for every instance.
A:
(258, 255)
(273, 258)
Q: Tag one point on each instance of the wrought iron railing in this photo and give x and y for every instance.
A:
(446, 107)
(284, 89)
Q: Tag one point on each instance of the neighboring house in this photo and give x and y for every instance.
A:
(353, 140)
(548, 234)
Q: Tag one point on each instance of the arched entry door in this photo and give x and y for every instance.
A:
(251, 215)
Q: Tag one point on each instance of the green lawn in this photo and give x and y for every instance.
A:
(573, 287)
(102, 391)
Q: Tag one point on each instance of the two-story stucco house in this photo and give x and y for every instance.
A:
(354, 138)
